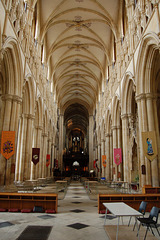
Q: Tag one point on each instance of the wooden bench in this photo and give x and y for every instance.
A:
(150, 190)
(28, 201)
(132, 200)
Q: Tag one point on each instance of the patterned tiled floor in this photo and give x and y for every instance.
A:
(77, 219)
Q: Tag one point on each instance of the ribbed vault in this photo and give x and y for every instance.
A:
(76, 117)
(77, 36)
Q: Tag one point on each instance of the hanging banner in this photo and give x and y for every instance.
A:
(104, 160)
(149, 145)
(8, 144)
(35, 155)
(48, 160)
(117, 156)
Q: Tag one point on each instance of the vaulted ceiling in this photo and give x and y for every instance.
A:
(78, 36)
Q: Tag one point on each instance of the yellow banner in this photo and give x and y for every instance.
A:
(8, 143)
(149, 145)
(104, 160)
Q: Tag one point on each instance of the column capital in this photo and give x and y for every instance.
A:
(114, 127)
(44, 134)
(7, 97)
(10, 97)
(107, 135)
(17, 99)
(31, 116)
(24, 115)
(151, 96)
(39, 127)
(124, 116)
(143, 96)
(140, 96)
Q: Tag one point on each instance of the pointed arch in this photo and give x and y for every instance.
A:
(28, 96)
(128, 87)
(12, 67)
(148, 50)
(116, 111)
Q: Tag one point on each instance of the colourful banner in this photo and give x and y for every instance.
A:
(35, 155)
(8, 144)
(48, 160)
(104, 160)
(149, 145)
(95, 163)
(117, 156)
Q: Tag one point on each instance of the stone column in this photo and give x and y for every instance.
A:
(52, 160)
(157, 130)
(38, 166)
(99, 160)
(19, 145)
(114, 132)
(7, 114)
(34, 145)
(60, 158)
(107, 153)
(119, 138)
(102, 153)
(57, 155)
(96, 157)
(44, 153)
(22, 147)
(6, 164)
(55, 152)
(28, 147)
(141, 118)
(151, 126)
(111, 156)
(90, 142)
(10, 118)
(15, 118)
(125, 144)
(49, 152)
(144, 129)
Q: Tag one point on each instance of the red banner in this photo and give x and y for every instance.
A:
(117, 156)
(8, 144)
(35, 155)
(48, 160)
(95, 163)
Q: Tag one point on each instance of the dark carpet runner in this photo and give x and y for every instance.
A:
(35, 233)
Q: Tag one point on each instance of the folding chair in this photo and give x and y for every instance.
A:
(150, 222)
(142, 209)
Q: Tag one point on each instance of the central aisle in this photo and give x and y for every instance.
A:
(78, 217)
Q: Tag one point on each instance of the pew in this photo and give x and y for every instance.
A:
(132, 200)
(21, 201)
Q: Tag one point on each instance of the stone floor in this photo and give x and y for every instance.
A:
(77, 218)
